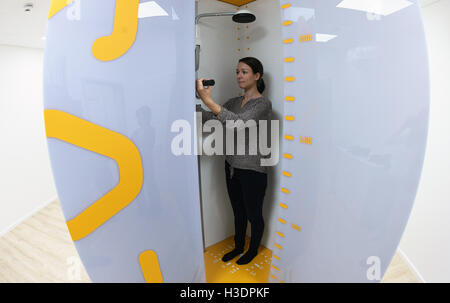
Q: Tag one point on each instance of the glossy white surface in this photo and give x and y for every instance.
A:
(363, 98)
(138, 95)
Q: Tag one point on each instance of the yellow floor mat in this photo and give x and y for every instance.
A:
(218, 271)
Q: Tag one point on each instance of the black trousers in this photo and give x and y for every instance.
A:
(246, 189)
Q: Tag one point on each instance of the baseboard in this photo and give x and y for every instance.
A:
(12, 226)
(411, 266)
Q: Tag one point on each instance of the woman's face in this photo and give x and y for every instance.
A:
(245, 76)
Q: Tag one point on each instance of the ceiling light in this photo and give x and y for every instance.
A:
(151, 9)
(380, 7)
(324, 37)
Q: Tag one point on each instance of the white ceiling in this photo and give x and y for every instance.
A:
(28, 29)
(20, 28)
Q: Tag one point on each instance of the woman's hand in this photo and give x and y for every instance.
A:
(204, 93)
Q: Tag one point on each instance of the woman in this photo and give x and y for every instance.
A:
(246, 178)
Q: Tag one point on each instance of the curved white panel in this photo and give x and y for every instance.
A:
(357, 88)
(109, 110)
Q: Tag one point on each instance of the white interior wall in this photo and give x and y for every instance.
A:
(26, 182)
(220, 52)
(425, 242)
(218, 61)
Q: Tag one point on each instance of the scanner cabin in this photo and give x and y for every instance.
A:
(353, 113)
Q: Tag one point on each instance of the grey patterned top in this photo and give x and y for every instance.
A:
(255, 109)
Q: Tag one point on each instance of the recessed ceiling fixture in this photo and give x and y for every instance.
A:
(28, 7)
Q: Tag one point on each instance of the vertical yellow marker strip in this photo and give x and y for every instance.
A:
(150, 267)
(79, 132)
(111, 47)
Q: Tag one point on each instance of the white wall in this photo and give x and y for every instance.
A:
(426, 241)
(218, 61)
(26, 182)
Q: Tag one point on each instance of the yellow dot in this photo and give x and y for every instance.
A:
(288, 156)
(289, 118)
(289, 98)
(287, 174)
(285, 190)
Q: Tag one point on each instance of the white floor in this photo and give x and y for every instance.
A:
(40, 250)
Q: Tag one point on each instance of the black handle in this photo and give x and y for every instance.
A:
(208, 82)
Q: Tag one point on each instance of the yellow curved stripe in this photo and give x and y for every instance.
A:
(57, 5)
(150, 267)
(111, 47)
(79, 132)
